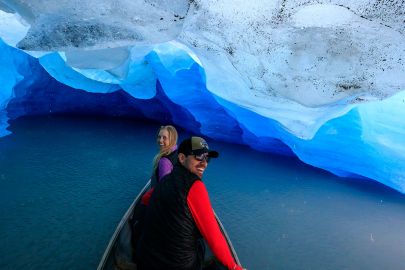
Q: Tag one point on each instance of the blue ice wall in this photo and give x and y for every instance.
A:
(368, 141)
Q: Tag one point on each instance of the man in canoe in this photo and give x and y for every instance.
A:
(180, 214)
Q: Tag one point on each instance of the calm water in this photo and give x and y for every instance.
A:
(65, 183)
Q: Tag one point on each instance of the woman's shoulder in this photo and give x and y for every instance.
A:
(172, 156)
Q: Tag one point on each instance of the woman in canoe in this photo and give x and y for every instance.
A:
(164, 160)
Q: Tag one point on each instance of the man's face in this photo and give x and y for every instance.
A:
(193, 165)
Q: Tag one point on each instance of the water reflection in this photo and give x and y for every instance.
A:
(65, 183)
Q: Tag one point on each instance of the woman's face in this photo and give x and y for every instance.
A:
(163, 138)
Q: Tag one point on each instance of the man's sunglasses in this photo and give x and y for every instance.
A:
(202, 157)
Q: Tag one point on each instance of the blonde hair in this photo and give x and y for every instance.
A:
(168, 149)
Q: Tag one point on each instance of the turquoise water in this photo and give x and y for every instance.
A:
(65, 183)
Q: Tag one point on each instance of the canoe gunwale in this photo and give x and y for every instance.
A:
(120, 225)
(228, 240)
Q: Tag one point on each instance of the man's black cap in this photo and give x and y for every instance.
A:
(196, 146)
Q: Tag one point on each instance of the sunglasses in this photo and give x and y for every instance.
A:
(202, 157)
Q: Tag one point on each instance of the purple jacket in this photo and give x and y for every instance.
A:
(165, 166)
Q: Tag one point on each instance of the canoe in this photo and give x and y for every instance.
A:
(119, 254)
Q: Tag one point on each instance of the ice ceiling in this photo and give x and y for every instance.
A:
(322, 80)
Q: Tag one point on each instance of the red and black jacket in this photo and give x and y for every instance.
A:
(178, 215)
(170, 237)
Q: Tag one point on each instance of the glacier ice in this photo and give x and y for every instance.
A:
(322, 80)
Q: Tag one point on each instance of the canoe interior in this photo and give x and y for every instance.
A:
(120, 252)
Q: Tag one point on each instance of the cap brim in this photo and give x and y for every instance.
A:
(213, 154)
